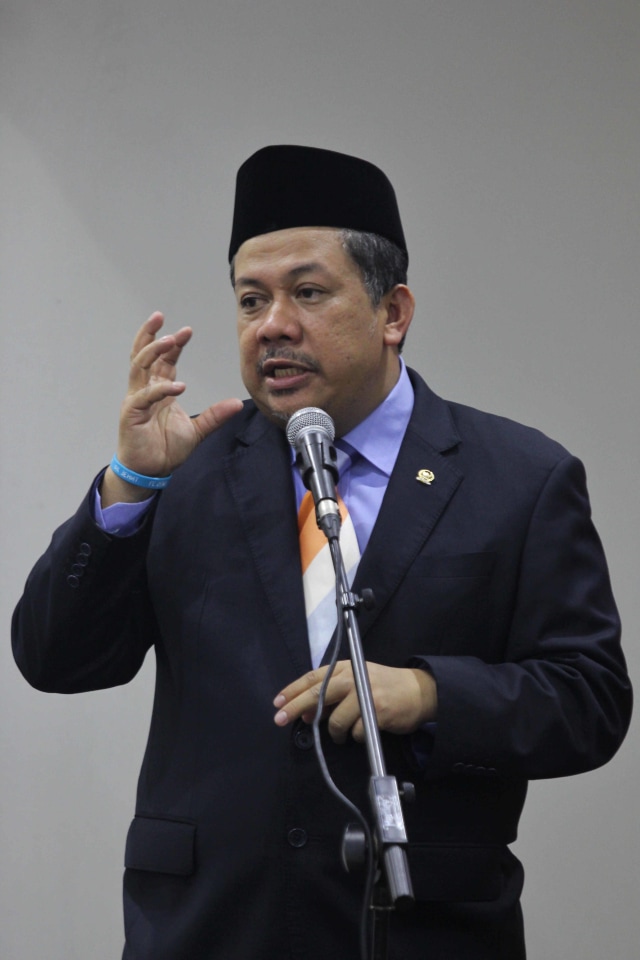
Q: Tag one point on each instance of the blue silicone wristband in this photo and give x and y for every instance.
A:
(138, 479)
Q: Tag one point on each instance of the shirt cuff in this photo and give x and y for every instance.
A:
(120, 519)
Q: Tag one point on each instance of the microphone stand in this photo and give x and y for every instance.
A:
(393, 887)
(311, 431)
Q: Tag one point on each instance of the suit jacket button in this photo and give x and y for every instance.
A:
(303, 737)
(297, 837)
(73, 581)
(85, 549)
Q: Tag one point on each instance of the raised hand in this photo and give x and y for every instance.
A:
(156, 435)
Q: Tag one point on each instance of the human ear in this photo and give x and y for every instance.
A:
(399, 303)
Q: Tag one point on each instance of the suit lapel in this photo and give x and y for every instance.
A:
(259, 476)
(410, 509)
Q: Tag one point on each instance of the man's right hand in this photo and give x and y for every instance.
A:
(156, 435)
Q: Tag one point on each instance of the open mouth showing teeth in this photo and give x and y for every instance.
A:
(280, 368)
(286, 372)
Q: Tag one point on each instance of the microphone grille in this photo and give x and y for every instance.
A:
(306, 419)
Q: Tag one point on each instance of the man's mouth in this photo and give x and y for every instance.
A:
(281, 372)
(288, 372)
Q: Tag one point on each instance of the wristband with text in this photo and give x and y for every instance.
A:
(138, 479)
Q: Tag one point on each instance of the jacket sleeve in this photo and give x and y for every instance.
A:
(85, 621)
(560, 702)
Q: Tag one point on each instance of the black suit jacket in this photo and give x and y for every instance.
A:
(491, 576)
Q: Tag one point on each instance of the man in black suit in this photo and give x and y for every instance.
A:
(493, 646)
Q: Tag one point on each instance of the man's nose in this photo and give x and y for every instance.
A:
(280, 321)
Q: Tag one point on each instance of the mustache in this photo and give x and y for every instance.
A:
(286, 353)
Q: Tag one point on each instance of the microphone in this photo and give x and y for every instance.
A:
(310, 431)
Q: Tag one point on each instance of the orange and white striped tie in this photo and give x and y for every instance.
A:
(318, 575)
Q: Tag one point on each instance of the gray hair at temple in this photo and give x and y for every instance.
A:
(381, 262)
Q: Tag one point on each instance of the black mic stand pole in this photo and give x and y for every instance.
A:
(384, 795)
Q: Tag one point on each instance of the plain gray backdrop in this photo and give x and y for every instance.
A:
(510, 129)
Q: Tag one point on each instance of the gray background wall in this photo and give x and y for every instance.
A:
(510, 129)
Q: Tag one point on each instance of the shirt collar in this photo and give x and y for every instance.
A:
(379, 436)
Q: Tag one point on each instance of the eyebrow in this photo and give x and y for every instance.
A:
(291, 275)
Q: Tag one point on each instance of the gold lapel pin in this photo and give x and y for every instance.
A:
(425, 476)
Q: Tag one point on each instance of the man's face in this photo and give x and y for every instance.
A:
(308, 333)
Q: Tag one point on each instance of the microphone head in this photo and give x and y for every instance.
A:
(309, 420)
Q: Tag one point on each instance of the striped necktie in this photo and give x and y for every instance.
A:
(318, 575)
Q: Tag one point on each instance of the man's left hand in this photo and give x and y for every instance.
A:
(404, 699)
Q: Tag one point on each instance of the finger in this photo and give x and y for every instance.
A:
(304, 703)
(303, 683)
(344, 718)
(357, 731)
(215, 415)
(147, 332)
(167, 349)
(154, 392)
(158, 358)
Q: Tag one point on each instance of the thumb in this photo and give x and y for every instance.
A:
(215, 415)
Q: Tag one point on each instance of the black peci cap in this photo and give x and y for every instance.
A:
(291, 186)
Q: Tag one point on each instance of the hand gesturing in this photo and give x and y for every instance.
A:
(156, 435)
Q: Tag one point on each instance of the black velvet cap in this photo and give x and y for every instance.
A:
(291, 186)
